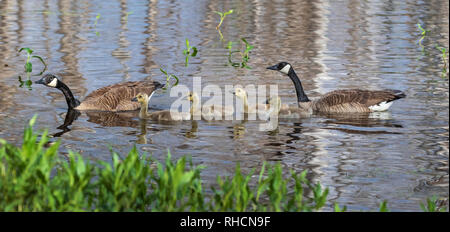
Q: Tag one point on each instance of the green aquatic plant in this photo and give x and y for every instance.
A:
(245, 55)
(187, 52)
(29, 67)
(444, 56)
(127, 14)
(95, 24)
(168, 77)
(423, 33)
(223, 15)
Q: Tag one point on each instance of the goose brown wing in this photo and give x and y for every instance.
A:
(357, 98)
(118, 97)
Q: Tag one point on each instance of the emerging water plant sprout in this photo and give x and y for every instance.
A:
(187, 52)
(168, 77)
(128, 13)
(244, 55)
(29, 66)
(423, 33)
(223, 15)
(444, 56)
(95, 23)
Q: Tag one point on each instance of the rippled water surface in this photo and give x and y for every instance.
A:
(400, 156)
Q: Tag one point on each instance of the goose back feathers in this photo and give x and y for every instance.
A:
(116, 97)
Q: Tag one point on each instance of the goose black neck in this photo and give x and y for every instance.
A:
(72, 102)
(301, 95)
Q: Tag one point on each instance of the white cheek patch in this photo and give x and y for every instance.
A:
(286, 69)
(53, 83)
(382, 106)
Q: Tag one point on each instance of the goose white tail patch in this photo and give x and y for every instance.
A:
(286, 69)
(382, 106)
(53, 82)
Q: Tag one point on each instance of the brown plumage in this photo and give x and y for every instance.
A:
(341, 101)
(116, 97)
(352, 100)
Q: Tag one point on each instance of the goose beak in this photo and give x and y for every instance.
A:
(134, 99)
(40, 81)
(275, 67)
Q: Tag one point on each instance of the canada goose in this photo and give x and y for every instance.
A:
(341, 101)
(114, 97)
(163, 115)
(208, 111)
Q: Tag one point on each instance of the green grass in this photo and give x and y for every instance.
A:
(34, 178)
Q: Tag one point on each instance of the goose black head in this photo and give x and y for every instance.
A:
(49, 80)
(283, 67)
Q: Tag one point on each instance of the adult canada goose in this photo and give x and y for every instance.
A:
(208, 112)
(116, 97)
(341, 101)
(163, 115)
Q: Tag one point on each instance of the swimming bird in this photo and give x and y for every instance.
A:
(249, 109)
(252, 109)
(208, 112)
(163, 115)
(286, 111)
(341, 101)
(116, 97)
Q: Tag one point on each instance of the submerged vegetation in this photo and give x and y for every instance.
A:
(34, 178)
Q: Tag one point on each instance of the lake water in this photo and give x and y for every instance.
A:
(400, 156)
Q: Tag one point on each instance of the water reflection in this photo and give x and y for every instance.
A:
(71, 115)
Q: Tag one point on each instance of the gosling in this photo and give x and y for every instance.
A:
(163, 115)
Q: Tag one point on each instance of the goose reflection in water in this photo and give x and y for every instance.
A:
(71, 115)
